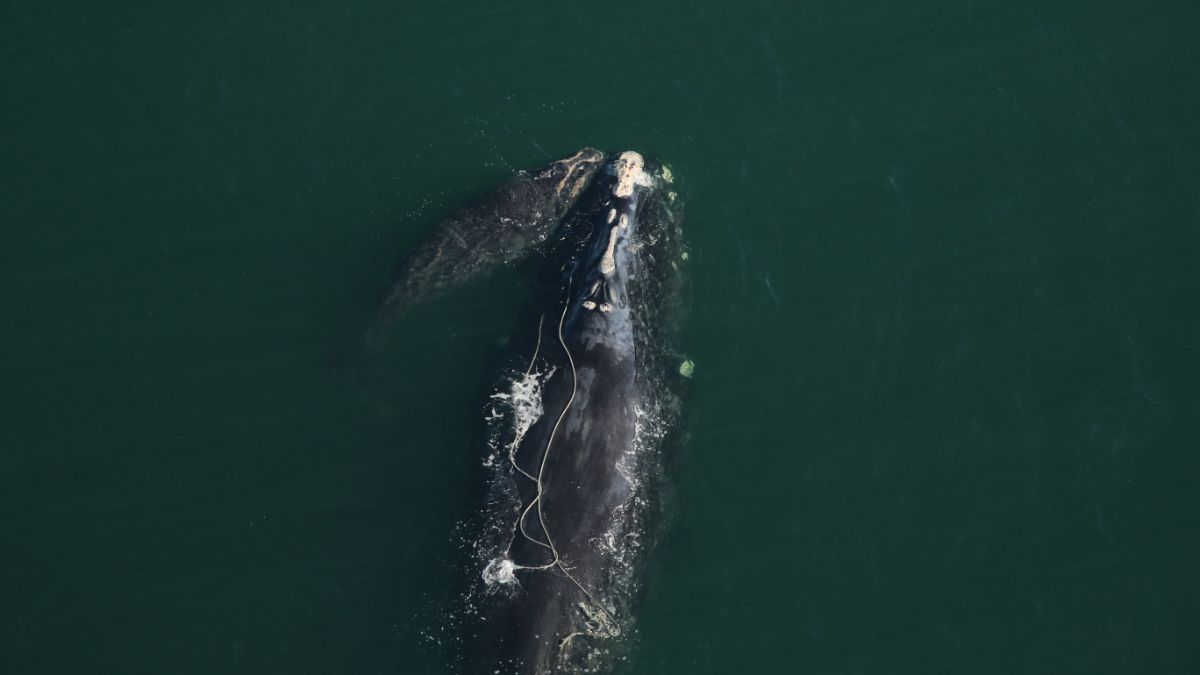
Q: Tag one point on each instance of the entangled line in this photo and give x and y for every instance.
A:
(557, 562)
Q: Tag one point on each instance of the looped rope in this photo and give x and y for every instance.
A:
(611, 627)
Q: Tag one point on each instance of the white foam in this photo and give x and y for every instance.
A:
(500, 572)
(522, 403)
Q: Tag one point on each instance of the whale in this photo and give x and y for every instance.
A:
(497, 229)
(580, 426)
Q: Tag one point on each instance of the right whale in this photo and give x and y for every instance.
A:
(496, 230)
(579, 431)
(577, 485)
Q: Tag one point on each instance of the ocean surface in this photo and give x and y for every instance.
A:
(945, 259)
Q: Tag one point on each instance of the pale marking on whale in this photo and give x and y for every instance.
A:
(608, 263)
(572, 166)
(630, 173)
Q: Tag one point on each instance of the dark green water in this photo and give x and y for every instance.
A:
(945, 264)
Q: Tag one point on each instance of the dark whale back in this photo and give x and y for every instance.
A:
(560, 580)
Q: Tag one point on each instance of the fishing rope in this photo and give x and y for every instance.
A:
(512, 447)
(537, 500)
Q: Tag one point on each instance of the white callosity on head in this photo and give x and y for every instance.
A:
(629, 169)
(608, 264)
(630, 173)
(570, 166)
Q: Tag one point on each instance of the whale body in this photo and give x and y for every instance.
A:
(579, 432)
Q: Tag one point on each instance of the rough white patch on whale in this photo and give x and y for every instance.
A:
(608, 264)
(612, 213)
(630, 173)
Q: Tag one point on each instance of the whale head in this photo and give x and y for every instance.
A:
(565, 180)
(604, 266)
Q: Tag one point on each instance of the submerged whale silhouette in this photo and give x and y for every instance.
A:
(577, 458)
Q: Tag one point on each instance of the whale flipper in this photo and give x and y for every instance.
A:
(494, 231)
